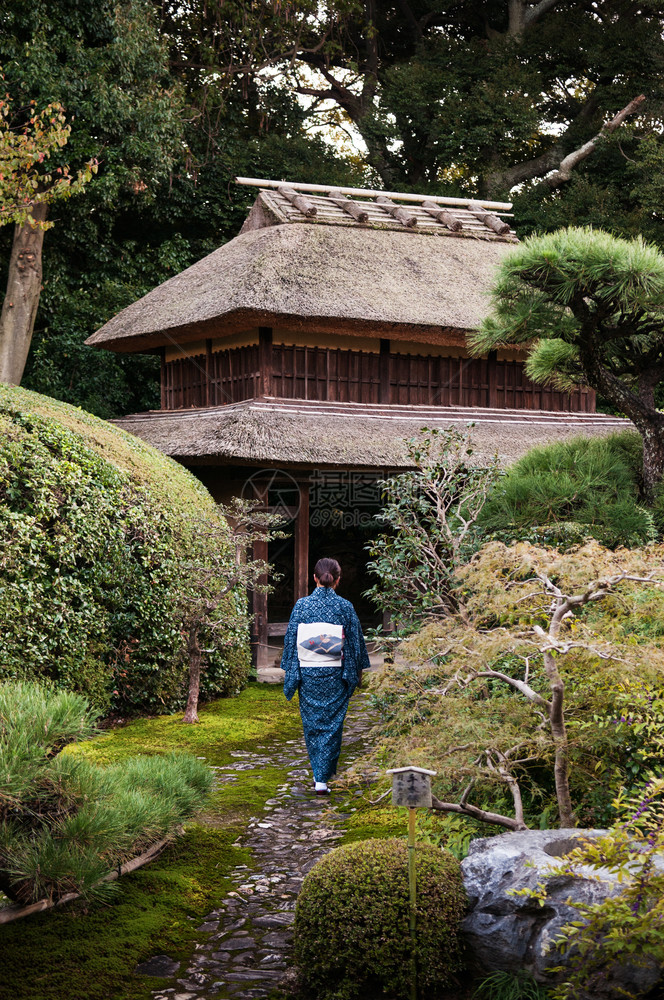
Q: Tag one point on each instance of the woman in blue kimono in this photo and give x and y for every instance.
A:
(324, 656)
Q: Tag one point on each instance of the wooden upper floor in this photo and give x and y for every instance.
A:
(281, 363)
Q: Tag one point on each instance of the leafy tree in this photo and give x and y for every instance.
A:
(169, 146)
(476, 98)
(105, 65)
(590, 307)
(216, 571)
(27, 188)
(627, 922)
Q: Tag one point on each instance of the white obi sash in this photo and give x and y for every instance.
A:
(320, 644)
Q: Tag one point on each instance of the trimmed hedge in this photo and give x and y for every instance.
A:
(94, 528)
(352, 922)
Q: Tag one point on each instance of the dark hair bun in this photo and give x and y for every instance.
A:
(327, 571)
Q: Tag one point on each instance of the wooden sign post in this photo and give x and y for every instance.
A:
(411, 787)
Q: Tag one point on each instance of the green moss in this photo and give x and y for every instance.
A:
(90, 954)
(374, 823)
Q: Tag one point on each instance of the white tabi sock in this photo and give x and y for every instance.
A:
(320, 786)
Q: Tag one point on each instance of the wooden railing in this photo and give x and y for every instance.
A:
(339, 376)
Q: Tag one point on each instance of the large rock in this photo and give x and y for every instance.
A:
(507, 932)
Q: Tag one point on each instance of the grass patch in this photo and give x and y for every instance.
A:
(89, 953)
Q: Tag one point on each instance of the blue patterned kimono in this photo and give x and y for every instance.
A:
(324, 691)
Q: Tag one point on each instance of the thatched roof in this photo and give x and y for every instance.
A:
(324, 272)
(279, 203)
(326, 435)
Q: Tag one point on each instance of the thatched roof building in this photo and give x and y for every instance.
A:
(320, 340)
(325, 272)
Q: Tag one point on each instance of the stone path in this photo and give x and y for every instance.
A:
(245, 947)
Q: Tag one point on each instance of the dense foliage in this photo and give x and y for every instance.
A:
(588, 307)
(473, 699)
(352, 918)
(66, 823)
(570, 490)
(471, 99)
(430, 527)
(163, 196)
(175, 100)
(94, 529)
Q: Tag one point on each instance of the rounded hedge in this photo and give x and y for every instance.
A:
(94, 530)
(352, 921)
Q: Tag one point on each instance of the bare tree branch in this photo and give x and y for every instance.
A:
(483, 815)
(572, 160)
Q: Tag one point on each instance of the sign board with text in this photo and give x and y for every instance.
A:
(411, 787)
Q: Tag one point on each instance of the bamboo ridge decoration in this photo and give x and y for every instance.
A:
(504, 207)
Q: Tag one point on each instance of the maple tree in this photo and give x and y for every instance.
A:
(29, 184)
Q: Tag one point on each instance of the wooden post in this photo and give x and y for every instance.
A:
(492, 378)
(208, 372)
(411, 787)
(260, 653)
(384, 369)
(162, 354)
(412, 887)
(264, 361)
(301, 575)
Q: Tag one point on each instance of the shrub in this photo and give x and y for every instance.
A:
(430, 516)
(352, 919)
(94, 528)
(477, 703)
(65, 823)
(588, 485)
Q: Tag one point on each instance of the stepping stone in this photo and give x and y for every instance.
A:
(251, 975)
(238, 944)
(277, 940)
(271, 920)
(159, 965)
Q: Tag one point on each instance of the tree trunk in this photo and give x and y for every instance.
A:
(638, 406)
(653, 457)
(194, 654)
(558, 729)
(19, 308)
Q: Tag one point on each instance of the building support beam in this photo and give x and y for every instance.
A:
(301, 574)
(208, 372)
(492, 378)
(162, 355)
(264, 360)
(259, 648)
(385, 372)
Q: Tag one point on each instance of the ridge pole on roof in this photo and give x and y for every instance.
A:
(443, 216)
(349, 206)
(490, 220)
(303, 204)
(499, 206)
(398, 213)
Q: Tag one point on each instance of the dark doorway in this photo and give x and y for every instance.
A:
(342, 522)
(347, 546)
